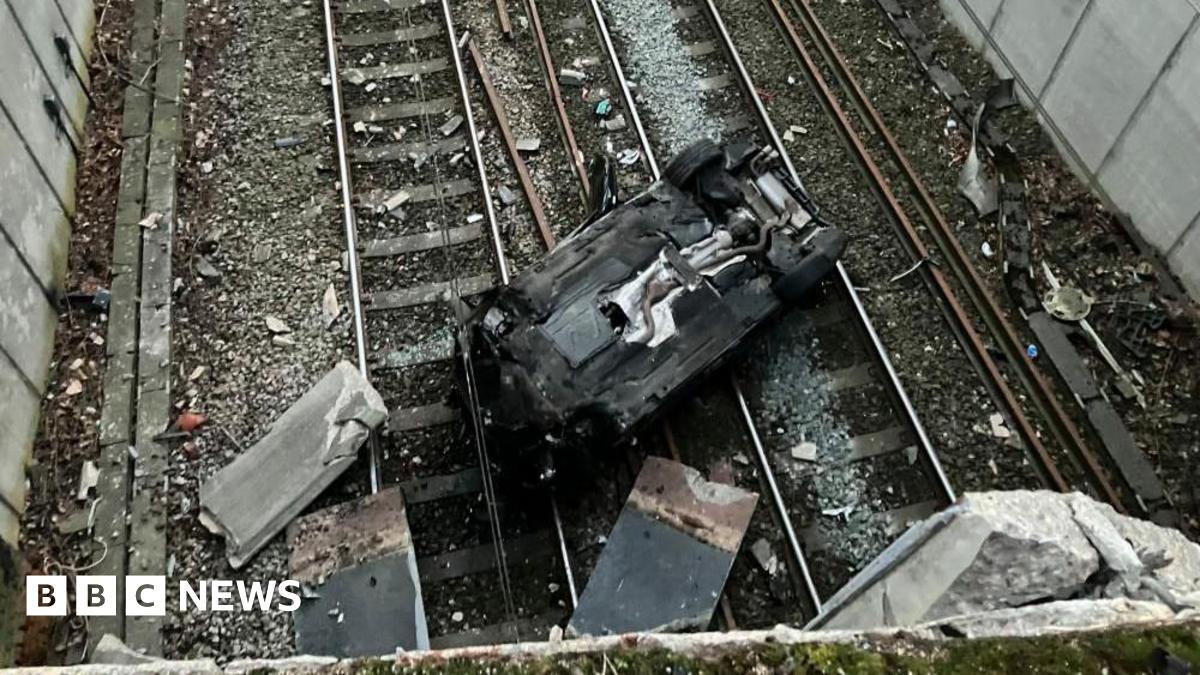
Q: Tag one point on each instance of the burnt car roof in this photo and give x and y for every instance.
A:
(592, 341)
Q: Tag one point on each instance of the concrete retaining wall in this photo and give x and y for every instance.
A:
(1115, 81)
(38, 85)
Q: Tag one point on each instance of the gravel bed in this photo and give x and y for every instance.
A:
(574, 44)
(1073, 233)
(667, 77)
(953, 408)
(268, 220)
(516, 72)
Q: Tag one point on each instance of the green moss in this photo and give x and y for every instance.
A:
(1118, 651)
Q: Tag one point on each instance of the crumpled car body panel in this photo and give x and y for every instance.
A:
(622, 317)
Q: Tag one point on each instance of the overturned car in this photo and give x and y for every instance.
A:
(587, 346)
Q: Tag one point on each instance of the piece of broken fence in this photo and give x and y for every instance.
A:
(361, 592)
(312, 443)
(668, 556)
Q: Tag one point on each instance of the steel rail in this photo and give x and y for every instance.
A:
(1040, 394)
(489, 488)
(564, 122)
(778, 504)
(881, 352)
(350, 224)
(476, 152)
(611, 50)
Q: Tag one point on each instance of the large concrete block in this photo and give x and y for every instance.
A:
(1152, 174)
(1185, 259)
(1109, 67)
(1032, 34)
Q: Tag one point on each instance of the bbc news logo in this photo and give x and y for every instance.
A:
(96, 595)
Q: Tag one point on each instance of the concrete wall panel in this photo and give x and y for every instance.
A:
(1109, 67)
(985, 11)
(22, 89)
(1153, 173)
(42, 22)
(1032, 34)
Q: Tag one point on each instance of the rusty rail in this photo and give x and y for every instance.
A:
(497, 106)
(560, 109)
(1040, 395)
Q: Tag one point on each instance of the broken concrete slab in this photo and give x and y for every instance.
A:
(311, 444)
(668, 556)
(1052, 617)
(110, 651)
(1000, 550)
(359, 570)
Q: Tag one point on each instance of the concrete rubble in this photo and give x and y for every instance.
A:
(1034, 559)
(311, 444)
(668, 556)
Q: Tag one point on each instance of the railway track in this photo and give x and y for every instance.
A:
(817, 391)
(422, 236)
(888, 471)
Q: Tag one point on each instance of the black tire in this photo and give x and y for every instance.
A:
(696, 156)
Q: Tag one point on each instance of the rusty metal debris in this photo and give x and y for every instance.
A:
(668, 556)
(312, 443)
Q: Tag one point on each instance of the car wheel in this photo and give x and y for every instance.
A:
(696, 156)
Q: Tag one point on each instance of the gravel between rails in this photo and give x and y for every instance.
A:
(668, 79)
(954, 407)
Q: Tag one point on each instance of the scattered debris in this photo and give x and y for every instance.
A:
(289, 142)
(1067, 304)
(329, 305)
(151, 221)
(206, 269)
(283, 341)
(451, 125)
(276, 325)
(805, 452)
(529, 144)
(261, 253)
(604, 108)
(74, 387)
(474, 218)
(986, 250)
(998, 429)
(507, 196)
(394, 202)
(761, 550)
(189, 421)
(614, 123)
(457, 617)
(306, 448)
(78, 521)
(974, 181)
(673, 515)
(571, 78)
(89, 475)
(629, 156)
